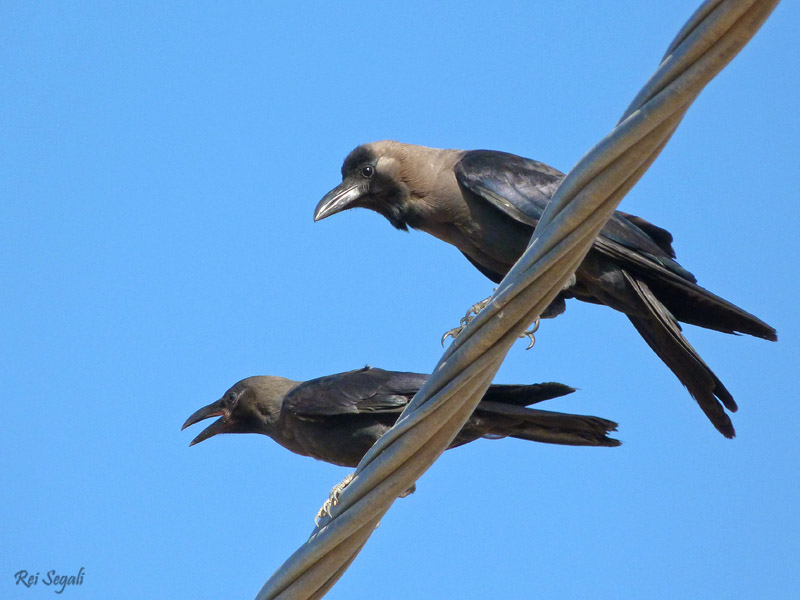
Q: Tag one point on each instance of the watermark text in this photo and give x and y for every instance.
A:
(58, 582)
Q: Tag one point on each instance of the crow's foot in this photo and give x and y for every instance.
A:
(333, 498)
(473, 312)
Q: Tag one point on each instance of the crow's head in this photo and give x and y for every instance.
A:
(253, 405)
(372, 177)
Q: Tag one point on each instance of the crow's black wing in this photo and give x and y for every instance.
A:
(521, 188)
(524, 395)
(362, 391)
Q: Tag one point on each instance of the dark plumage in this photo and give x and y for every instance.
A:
(487, 204)
(339, 417)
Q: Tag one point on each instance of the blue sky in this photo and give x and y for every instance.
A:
(159, 167)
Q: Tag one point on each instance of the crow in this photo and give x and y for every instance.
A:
(487, 203)
(337, 418)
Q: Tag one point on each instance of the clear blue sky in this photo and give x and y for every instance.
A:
(159, 165)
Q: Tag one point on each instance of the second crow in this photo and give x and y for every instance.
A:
(339, 417)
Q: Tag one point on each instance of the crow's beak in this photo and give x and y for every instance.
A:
(338, 199)
(216, 409)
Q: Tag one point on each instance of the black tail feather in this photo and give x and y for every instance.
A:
(690, 303)
(663, 334)
(496, 420)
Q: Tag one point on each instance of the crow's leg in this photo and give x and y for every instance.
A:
(473, 312)
(333, 498)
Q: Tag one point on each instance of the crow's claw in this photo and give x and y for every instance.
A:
(333, 498)
(473, 312)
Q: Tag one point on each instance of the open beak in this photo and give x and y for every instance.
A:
(216, 409)
(338, 199)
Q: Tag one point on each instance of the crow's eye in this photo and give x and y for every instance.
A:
(231, 398)
(367, 171)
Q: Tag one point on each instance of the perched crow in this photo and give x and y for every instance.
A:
(487, 204)
(339, 417)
